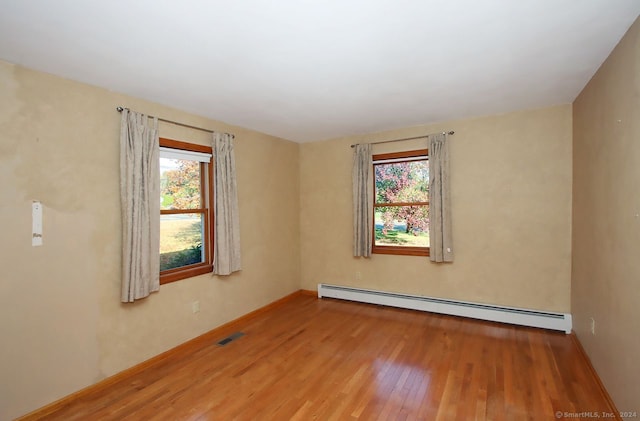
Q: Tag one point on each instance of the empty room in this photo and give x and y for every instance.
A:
(320, 210)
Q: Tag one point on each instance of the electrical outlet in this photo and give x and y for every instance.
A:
(358, 276)
(195, 306)
(593, 326)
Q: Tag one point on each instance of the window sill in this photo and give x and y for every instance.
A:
(401, 251)
(184, 273)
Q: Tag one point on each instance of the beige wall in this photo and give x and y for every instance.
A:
(606, 220)
(63, 327)
(511, 198)
(61, 323)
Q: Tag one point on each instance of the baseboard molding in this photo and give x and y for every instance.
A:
(185, 347)
(310, 292)
(595, 375)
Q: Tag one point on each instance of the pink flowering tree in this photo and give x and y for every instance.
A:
(403, 183)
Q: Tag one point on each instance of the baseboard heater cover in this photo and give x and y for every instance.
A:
(512, 315)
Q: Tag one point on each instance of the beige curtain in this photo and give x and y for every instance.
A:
(226, 247)
(140, 204)
(362, 179)
(441, 245)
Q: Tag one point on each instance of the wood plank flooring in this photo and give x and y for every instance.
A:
(311, 359)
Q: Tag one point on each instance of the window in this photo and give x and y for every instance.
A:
(401, 206)
(186, 215)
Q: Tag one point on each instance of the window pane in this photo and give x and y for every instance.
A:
(179, 184)
(181, 238)
(406, 226)
(402, 182)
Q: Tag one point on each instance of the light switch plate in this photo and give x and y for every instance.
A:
(36, 225)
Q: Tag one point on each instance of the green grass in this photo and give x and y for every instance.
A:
(180, 242)
(398, 237)
(401, 238)
(179, 234)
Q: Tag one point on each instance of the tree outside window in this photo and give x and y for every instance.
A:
(186, 228)
(401, 207)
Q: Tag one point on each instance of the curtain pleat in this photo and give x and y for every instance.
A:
(362, 200)
(140, 205)
(226, 247)
(440, 238)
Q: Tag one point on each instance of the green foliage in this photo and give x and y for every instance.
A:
(167, 201)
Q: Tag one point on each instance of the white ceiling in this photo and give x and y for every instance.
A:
(307, 70)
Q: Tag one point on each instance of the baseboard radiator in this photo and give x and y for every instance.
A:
(517, 316)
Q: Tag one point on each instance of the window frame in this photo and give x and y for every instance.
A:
(396, 250)
(207, 201)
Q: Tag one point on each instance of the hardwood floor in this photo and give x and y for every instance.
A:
(311, 359)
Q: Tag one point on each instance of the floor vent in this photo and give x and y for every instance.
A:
(518, 316)
(230, 338)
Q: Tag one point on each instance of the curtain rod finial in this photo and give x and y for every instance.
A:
(119, 109)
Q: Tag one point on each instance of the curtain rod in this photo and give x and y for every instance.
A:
(406, 138)
(120, 109)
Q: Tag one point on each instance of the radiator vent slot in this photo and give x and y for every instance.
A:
(230, 338)
(518, 316)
